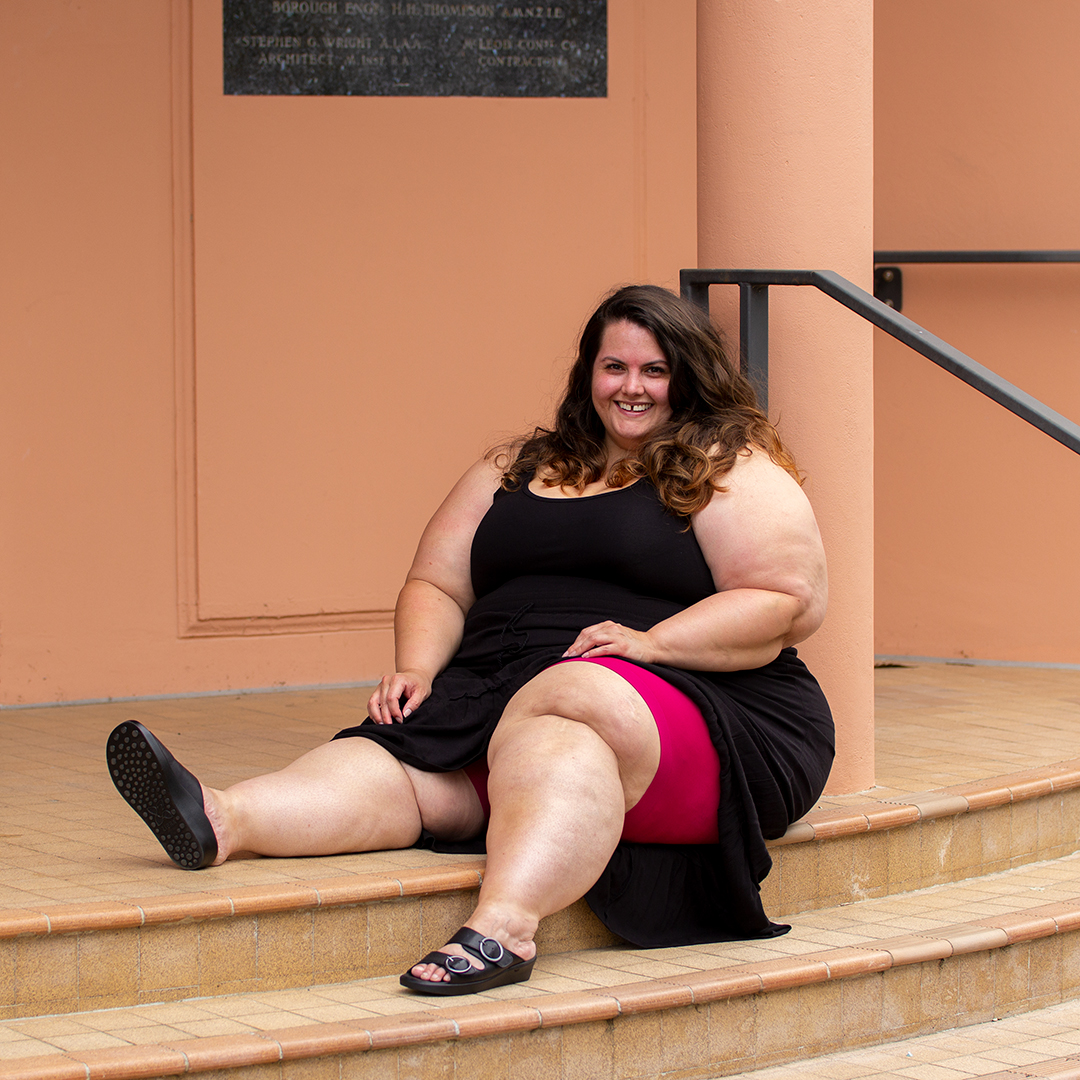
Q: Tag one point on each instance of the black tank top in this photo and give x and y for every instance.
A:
(625, 536)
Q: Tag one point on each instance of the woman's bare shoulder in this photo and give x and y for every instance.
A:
(469, 499)
(442, 557)
(760, 532)
(485, 474)
(755, 467)
(757, 493)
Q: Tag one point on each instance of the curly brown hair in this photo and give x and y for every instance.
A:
(714, 411)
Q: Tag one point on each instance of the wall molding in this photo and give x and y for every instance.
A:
(189, 622)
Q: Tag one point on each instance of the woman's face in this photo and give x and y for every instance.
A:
(630, 382)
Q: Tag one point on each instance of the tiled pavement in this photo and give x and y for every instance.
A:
(887, 923)
(1048, 1040)
(944, 724)
(67, 838)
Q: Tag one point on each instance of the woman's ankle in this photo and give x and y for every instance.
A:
(513, 929)
(214, 803)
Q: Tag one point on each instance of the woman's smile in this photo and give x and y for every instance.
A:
(630, 382)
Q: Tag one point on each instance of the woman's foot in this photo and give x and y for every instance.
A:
(470, 963)
(164, 794)
(513, 934)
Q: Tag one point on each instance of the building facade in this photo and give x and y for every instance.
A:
(251, 340)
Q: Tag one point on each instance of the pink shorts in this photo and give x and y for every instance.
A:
(679, 806)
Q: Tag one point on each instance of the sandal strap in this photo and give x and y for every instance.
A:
(487, 950)
(449, 962)
(499, 966)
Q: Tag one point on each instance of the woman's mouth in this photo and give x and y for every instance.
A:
(634, 407)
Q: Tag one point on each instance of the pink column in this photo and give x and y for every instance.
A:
(785, 181)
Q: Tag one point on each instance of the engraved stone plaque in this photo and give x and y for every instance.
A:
(414, 48)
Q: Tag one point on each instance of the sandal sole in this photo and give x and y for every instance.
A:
(147, 777)
(505, 977)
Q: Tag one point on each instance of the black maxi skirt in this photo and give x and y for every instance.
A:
(771, 727)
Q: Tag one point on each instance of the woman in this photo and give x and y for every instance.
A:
(594, 662)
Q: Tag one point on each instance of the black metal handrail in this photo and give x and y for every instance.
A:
(1055, 256)
(754, 338)
(889, 278)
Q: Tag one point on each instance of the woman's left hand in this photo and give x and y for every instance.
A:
(612, 639)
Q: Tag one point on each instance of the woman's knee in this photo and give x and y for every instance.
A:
(599, 700)
(591, 695)
(355, 763)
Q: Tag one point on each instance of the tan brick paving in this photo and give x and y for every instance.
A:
(66, 837)
(1039, 1039)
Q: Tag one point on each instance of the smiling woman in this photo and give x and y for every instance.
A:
(595, 673)
(630, 386)
(708, 416)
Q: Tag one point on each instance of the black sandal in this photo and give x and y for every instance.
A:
(501, 967)
(163, 793)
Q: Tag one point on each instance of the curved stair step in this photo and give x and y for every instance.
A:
(301, 933)
(881, 969)
(1044, 1043)
(857, 847)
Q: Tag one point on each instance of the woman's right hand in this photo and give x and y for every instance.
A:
(385, 704)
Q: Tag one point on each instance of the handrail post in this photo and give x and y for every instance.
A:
(697, 292)
(754, 339)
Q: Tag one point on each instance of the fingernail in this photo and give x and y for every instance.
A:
(407, 712)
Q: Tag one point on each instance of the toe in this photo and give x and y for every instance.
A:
(430, 973)
(434, 973)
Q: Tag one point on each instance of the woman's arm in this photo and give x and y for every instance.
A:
(762, 545)
(431, 607)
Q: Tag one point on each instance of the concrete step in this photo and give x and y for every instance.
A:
(73, 957)
(232, 938)
(1044, 1043)
(881, 969)
(862, 846)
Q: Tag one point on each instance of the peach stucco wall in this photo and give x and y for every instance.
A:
(227, 406)
(978, 147)
(785, 181)
(250, 342)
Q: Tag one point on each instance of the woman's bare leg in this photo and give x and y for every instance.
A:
(345, 796)
(575, 749)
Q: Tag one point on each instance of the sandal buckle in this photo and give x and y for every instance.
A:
(491, 950)
(459, 965)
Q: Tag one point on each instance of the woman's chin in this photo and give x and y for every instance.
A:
(626, 441)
